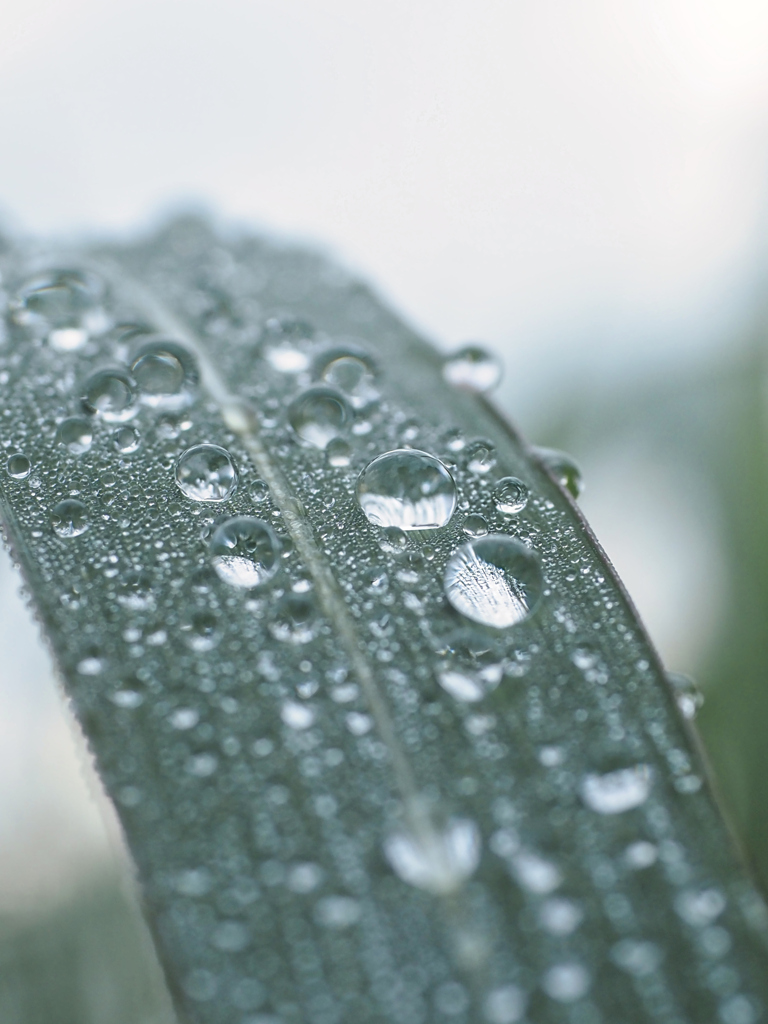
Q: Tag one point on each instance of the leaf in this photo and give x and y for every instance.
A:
(366, 774)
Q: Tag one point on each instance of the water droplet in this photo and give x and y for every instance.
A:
(201, 985)
(110, 394)
(135, 590)
(126, 440)
(473, 368)
(304, 878)
(505, 1005)
(619, 791)
(534, 873)
(64, 305)
(295, 619)
(90, 666)
(407, 489)
(641, 854)
(18, 466)
(451, 999)
(318, 415)
(496, 581)
(510, 495)
(205, 472)
(439, 861)
(563, 469)
(202, 631)
(76, 434)
(202, 765)
(350, 371)
(566, 982)
(560, 917)
(337, 912)
(475, 525)
(688, 696)
(481, 457)
(231, 937)
(258, 491)
(637, 957)
(338, 452)
(166, 374)
(358, 723)
(69, 518)
(127, 699)
(184, 718)
(297, 716)
(245, 551)
(701, 907)
(285, 344)
(469, 688)
(392, 540)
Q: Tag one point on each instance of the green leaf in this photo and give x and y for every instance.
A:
(393, 778)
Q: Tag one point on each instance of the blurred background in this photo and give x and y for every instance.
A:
(582, 185)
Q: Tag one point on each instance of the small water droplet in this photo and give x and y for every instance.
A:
(475, 525)
(18, 466)
(135, 591)
(295, 619)
(637, 957)
(469, 688)
(358, 723)
(535, 873)
(166, 373)
(496, 581)
(350, 371)
(510, 495)
(202, 631)
(126, 440)
(285, 344)
(90, 666)
(318, 415)
(231, 936)
(473, 368)
(202, 765)
(393, 540)
(258, 491)
(69, 518)
(439, 861)
(407, 489)
(205, 472)
(297, 716)
(127, 699)
(184, 718)
(76, 434)
(480, 457)
(64, 305)
(618, 791)
(245, 551)
(337, 912)
(563, 468)
(304, 878)
(505, 1005)
(566, 982)
(338, 452)
(110, 394)
(641, 854)
(700, 907)
(688, 696)
(560, 917)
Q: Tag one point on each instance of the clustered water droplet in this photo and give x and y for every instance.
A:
(110, 394)
(206, 472)
(69, 518)
(245, 551)
(407, 489)
(18, 466)
(76, 434)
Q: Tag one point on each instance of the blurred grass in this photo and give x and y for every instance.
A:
(89, 961)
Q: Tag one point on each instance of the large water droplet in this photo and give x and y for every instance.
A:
(438, 861)
(110, 394)
(69, 518)
(64, 305)
(206, 472)
(566, 982)
(473, 368)
(286, 343)
(510, 496)
(245, 551)
(76, 434)
(619, 791)
(350, 371)
(135, 591)
(318, 415)
(496, 581)
(563, 468)
(126, 440)
(295, 619)
(166, 373)
(18, 466)
(408, 489)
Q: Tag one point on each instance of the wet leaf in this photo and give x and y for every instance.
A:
(389, 751)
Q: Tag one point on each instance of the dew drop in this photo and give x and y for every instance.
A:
(481, 457)
(566, 982)
(407, 489)
(465, 687)
(475, 525)
(338, 452)
(337, 912)
(285, 343)
(688, 696)
(18, 467)
(297, 716)
(295, 619)
(69, 518)
(135, 591)
(126, 440)
(563, 468)
(245, 551)
(505, 1005)
(473, 368)
(184, 718)
(205, 472)
(438, 861)
(319, 415)
(496, 581)
(230, 936)
(64, 305)
(258, 491)
(619, 791)
(636, 957)
(510, 495)
(128, 699)
(166, 374)
(202, 631)
(392, 540)
(76, 434)
(350, 371)
(560, 917)
(110, 394)
(640, 855)
(701, 907)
